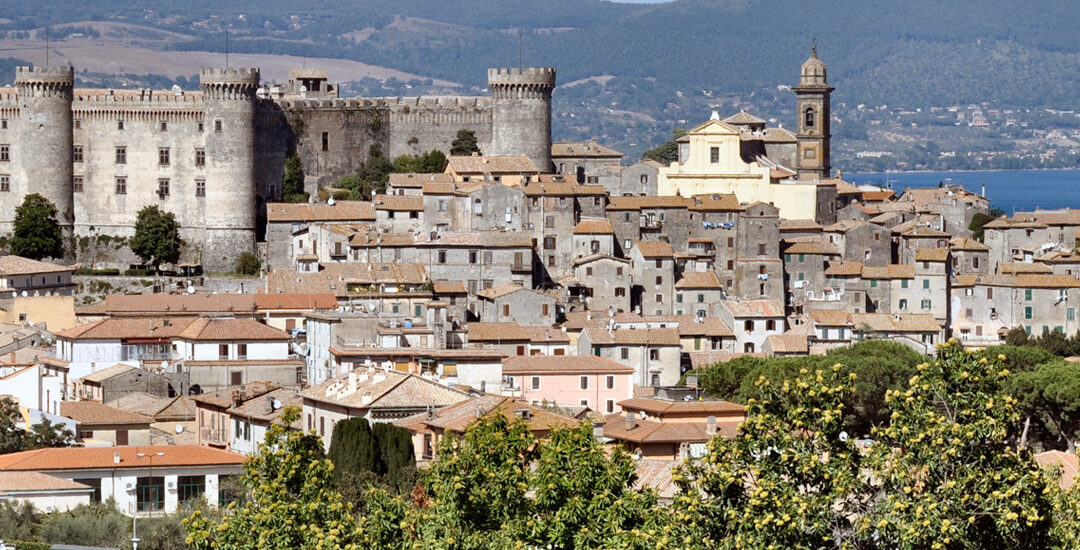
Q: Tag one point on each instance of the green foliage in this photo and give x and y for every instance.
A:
(1016, 336)
(44, 434)
(432, 162)
(1021, 358)
(37, 232)
(26, 545)
(248, 264)
(978, 220)
(292, 502)
(157, 237)
(371, 176)
(1050, 394)
(353, 448)
(98, 524)
(18, 520)
(464, 144)
(667, 152)
(292, 180)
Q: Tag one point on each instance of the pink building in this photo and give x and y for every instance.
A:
(574, 380)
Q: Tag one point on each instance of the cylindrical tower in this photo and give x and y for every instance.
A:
(229, 97)
(521, 115)
(43, 147)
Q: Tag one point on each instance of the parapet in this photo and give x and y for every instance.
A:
(51, 75)
(543, 76)
(219, 75)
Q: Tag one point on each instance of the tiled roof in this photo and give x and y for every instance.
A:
(563, 364)
(496, 332)
(844, 269)
(262, 407)
(778, 135)
(843, 226)
(1066, 465)
(704, 407)
(1058, 257)
(178, 304)
(270, 302)
(1017, 268)
(699, 279)
(577, 320)
(107, 373)
(340, 211)
(830, 317)
(885, 322)
(562, 188)
(411, 179)
(95, 458)
(449, 287)
(128, 328)
(715, 202)
(546, 335)
(639, 202)
(964, 243)
(497, 292)
(17, 265)
(812, 247)
(398, 203)
(231, 329)
(594, 257)
(922, 231)
(478, 164)
(304, 72)
(754, 308)
(649, 431)
(226, 398)
(743, 117)
(799, 225)
(335, 277)
(377, 388)
(692, 325)
(654, 249)
(932, 254)
(634, 337)
(93, 412)
(656, 475)
(892, 271)
(788, 343)
(459, 416)
(583, 149)
(12, 483)
(593, 227)
(1047, 281)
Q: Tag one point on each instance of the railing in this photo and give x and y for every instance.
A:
(516, 266)
(212, 436)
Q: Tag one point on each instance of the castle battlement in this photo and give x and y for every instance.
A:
(58, 75)
(129, 97)
(544, 76)
(221, 75)
(393, 104)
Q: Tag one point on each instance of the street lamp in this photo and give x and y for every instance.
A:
(135, 512)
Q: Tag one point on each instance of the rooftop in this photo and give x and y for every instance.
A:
(89, 413)
(17, 265)
(563, 364)
(103, 458)
(369, 388)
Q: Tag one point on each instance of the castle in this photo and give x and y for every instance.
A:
(215, 157)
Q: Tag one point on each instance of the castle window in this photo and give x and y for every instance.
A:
(163, 188)
(78, 124)
(714, 155)
(121, 155)
(217, 126)
(5, 153)
(809, 118)
(5, 183)
(77, 184)
(644, 178)
(201, 126)
(77, 153)
(163, 156)
(3, 124)
(164, 126)
(120, 124)
(200, 188)
(200, 157)
(325, 141)
(121, 186)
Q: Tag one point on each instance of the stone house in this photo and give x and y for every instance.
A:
(890, 288)
(698, 293)
(507, 337)
(413, 184)
(805, 265)
(587, 162)
(398, 213)
(830, 327)
(1061, 262)
(952, 205)
(654, 353)
(630, 218)
(654, 277)
(916, 237)
(507, 170)
(985, 307)
(637, 179)
(1008, 237)
(215, 427)
(861, 241)
(919, 331)
(602, 283)
(593, 236)
(109, 384)
(578, 381)
(671, 425)
(552, 210)
(969, 256)
(789, 344)
(932, 278)
(752, 321)
(702, 334)
(101, 424)
(514, 303)
(283, 220)
(758, 269)
(474, 367)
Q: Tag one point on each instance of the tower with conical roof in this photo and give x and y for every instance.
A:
(812, 94)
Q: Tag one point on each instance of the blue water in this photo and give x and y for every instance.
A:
(1015, 191)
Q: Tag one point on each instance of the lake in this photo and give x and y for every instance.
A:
(1011, 191)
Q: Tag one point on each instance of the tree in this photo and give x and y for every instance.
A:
(292, 501)
(248, 264)
(667, 152)
(1016, 336)
(1050, 393)
(292, 181)
(432, 162)
(44, 434)
(18, 519)
(96, 524)
(37, 233)
(464, 144)
(157, 237)
(353, 449)
(371, 176)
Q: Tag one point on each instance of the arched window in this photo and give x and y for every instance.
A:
(809, 117)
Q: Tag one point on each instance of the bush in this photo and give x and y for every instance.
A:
(99, 272)
(138, 272)
(247, 264)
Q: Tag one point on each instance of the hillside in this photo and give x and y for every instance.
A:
(670, 62)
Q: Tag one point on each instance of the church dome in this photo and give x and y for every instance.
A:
(813, 70)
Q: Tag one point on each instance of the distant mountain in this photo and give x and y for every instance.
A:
(908, 53)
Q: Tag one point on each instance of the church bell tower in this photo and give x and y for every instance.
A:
(813, 111)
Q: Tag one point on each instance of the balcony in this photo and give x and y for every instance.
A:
(521, 266)
(650, 223)
(214, 437)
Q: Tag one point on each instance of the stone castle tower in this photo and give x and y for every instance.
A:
(41, 161)
(814, 115)
(521, 113)
(230, 103)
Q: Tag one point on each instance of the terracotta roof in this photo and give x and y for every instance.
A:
(799, 225)
(932, 255)
(707, 326)
(594, 257)
(178, 304)
(743, 118)
(715, 407)
(160, 409)
(583, 149)
(398, 203)
(754, 308)
(650, 431)
(269, 302)
(1017, 268)
(478, 164)
(812, 247)
(878, 195)
(577, 320)
(562, 188)
(892, 271)
(1047, 281)
(843, 226)
(226, 398)
(639, 202)
(779, 135)
(964, 243)
(656, 475)
(546, 335)
(95, 458)
(440, 189)
(654, 249)
(415, 180)
(1058, 257)
(722, 202)
(107, 373)
(13, 483)
(497, 292)
(335, 277)
(128, 328)
(17, 265)
(449, 287)
(593, 227)
(1066, 464)
(885, 322)
(634, 337)
(830, 317)
(844, 269)
(699, 280)
(90, 413)
(313, 72)
(496, 332)
(788, 343)
(231, 329)
(922, 231)
(377, 389)
(340, 211)
(261, 407)
(459, 416)
(563, 364)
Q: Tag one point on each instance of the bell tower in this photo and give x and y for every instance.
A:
(814, 115)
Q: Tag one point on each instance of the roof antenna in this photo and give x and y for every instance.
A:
(813, 48)
(226, 47)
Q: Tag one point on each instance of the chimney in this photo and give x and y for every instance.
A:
(116, 457)
(352, 382)
(366, 398)
(631, 421)
(691, 381)
(430, 412)
(710, 426)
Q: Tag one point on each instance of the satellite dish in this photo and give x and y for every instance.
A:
(191, 290)
(24, 294)
(275, 404)
(164, 365)
(179, 429)
(330, 201)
